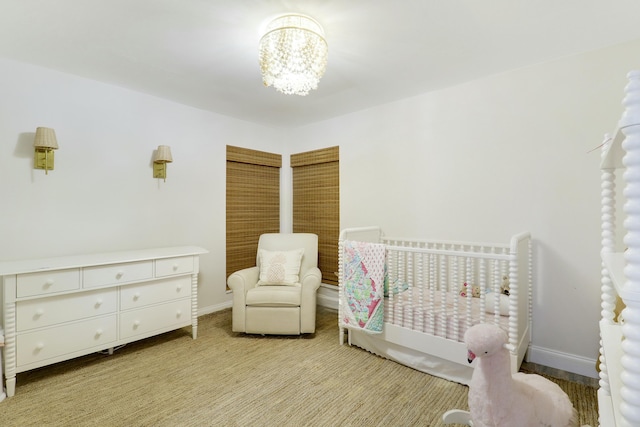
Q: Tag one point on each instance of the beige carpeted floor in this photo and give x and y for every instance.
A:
(227, 379)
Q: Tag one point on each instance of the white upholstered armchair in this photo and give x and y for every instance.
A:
(278, 295)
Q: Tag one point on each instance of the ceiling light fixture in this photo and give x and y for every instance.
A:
(293, 54)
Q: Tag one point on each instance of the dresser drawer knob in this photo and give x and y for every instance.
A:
(179, 288)
(136, 323)
(178, 313)
(39, 346)
(175, 267)
(99, 333)
(136, 296)
(48, 283)
(39, 312)
(99, 302)
(119, 274)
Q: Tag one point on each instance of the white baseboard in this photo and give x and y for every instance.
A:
(328, 296)
(563, 361)
(213, 308)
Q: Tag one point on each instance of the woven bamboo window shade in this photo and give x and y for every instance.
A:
(253, 203)
(316, 204)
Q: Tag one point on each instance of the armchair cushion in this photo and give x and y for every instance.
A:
(274, 296)
(279, 267)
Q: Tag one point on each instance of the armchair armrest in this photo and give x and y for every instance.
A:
(311, 279)
(240, 282)
(310, 283)
(243, 280)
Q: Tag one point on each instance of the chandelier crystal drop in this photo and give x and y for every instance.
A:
(293, 54)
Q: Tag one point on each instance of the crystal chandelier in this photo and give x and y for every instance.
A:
(293, 54)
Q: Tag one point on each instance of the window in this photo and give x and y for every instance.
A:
(253, 203)
(316, 204)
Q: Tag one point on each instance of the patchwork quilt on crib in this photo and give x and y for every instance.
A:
(363, 276)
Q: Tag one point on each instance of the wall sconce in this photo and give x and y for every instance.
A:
(161, 157)
(45, 142)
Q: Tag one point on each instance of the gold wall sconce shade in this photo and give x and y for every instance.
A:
(161, 157)
(44, 144)
(293, 54)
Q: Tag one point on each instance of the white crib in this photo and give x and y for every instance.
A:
(425, 314)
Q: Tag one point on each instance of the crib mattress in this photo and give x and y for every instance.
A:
(444, 314)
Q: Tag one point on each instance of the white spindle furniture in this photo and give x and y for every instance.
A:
(619, 392)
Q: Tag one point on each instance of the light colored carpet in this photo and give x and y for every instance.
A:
(228, 379)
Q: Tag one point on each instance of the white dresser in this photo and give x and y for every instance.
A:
(56, 309)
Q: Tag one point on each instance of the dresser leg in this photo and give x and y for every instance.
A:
(194, 304)
(11, 386)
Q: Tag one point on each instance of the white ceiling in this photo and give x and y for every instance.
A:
(203, 53)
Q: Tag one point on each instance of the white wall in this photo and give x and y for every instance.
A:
(490, 158)
(102, 195)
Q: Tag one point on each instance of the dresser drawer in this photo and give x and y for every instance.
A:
(116, 274)
(155, 318)
(57, 341)
(134, 296)
(47, 282)
(64, 308)
(173, 266)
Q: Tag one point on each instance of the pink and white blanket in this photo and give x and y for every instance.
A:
(362, 296)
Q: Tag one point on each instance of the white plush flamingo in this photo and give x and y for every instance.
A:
(499, 399)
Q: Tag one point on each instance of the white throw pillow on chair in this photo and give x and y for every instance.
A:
(280, 267)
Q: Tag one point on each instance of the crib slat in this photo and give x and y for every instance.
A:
(442, 286)
(432, 288)
(419, 322)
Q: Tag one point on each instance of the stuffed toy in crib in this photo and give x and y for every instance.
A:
(475, 290)
(504, 288)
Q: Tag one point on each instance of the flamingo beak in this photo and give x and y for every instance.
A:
(470, 356)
